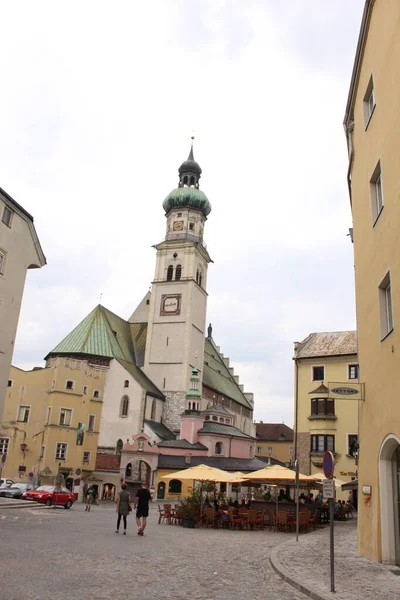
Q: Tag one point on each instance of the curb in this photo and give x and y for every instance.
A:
(35, 506)
(293, 581)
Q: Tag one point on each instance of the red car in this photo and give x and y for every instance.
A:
(50, 494)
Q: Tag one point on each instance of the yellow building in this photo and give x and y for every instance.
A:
(275, 440)
(372, 124)
(325, 364)
(51, 420)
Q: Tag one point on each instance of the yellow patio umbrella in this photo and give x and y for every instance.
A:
(204, 473)
(320, 477)
(277, 474)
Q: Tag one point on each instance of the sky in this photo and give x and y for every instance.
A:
(98, 102)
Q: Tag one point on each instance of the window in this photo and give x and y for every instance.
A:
(178, 272)
(376, 192)
(322, 407)
(259, 449)
(219, 448)
(215, 418)
(23, 414)
(118, 449)
(7, 216)
(41, 451)
(153, 410)
(318, 373)
(269, 449)
(86, 457)
(175, 486)
(352, 444)
(385, 306)
(179, 215)
(53, 384)
(9, 383)
(92, 419)
(85, 390)
(124, 406)
(322, 443)
(96, 394)
(69, 385)
(2, 261)
(61, 451)
(48, 415)
(65, 417)
(4, 445)
(170, 273)
(191, 226)
(353, 372)
(369, 102)
(221, 419)
(126, 383)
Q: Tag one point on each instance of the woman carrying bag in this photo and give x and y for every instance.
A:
(123, 506)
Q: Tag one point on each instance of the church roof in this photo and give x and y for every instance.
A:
(217, 376)
(139, 334)
(160, 430)
(220, 429)
(142, 379)
(187, 197)
(101, 333)
(327, 343)
(226, 464)
(274, 432)
(182, 444)
(217, 408)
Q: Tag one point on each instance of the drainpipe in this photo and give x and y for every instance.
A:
(144, 411)
(296, 410)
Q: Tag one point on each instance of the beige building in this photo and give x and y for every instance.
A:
(275, 440)
(326, 413)
(372, 124)
(19, 251)
(51, 420)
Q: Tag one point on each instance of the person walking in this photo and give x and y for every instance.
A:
(123, 506)
(85, 490)
(89, 498)
(142, 500)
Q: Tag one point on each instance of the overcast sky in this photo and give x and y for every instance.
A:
(98, 101)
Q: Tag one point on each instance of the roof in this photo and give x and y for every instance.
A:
(139, 335)
(142, 379)
(160, 430)
(217, 408)
(101, 333)
(362, 39)
(219, 429)
(217, 376)
(187, 197)
(182, 444)
(274, 432)
(321, 389)
(330, 343)
(29, 219)
(227, 464)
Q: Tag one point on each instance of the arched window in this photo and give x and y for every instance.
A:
(126, 384)
(178, 272)
(175, 486)
(200, 278)
(219, 448)
(124, 406)
(221, 420)
(170, 273)
(185, 180)
(118, 449)
(215, 418)
(128, 470)
(251, 451)
(192, 181)
(207, 417)
(153, 410)
(197, 276)
(227, 421)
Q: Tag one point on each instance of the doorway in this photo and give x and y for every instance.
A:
(161, 491)
(108, 491)
(389, 488)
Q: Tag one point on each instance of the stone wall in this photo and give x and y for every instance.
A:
(303, 452)
(173, 408)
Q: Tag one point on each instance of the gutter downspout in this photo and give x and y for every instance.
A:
(296, 410)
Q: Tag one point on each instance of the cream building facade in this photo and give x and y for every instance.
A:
(325, 420)
(372, 125)
(275, 440)
(20, 250)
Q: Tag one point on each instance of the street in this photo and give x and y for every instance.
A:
(58, 553)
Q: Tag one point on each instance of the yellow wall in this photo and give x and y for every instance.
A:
(44, 390)
(187, 486)
(344, 423)
(280, 450)
(376, 250)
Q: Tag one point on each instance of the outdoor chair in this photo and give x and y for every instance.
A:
(177, 517)
(251, 519)
(312, 520)
(283, 524)
(163, 515)
(303, 520)
(259, 521)
(272, 519)
(349, 511)
(235, 520)
(209, 517)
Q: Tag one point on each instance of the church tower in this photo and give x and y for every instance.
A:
(178, 303)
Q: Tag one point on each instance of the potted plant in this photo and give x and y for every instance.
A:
(191, 510)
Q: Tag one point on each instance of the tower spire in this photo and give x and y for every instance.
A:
(189, 171)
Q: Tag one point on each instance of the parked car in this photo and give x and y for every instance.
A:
(50, 495)
(16, 490)
(6, 482)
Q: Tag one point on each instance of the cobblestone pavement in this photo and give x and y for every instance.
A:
(355, 577)
(59, 554)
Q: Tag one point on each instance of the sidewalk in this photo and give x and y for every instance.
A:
(305, 565)
(11, 503)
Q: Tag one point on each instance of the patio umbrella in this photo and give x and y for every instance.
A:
(320, 477)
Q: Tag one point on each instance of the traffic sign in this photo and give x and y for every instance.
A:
(328, 464)
(328, 488)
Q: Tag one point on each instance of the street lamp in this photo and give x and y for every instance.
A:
(23, 447)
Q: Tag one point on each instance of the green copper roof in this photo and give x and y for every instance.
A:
(187, 197)
(216, 375)
(101, 333)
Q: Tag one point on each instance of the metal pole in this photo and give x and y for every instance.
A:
(296, 466)
(332, 546)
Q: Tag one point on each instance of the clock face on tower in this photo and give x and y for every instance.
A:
(170, 304)
(178, 226)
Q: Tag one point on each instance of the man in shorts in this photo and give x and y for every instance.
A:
(142, 500)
